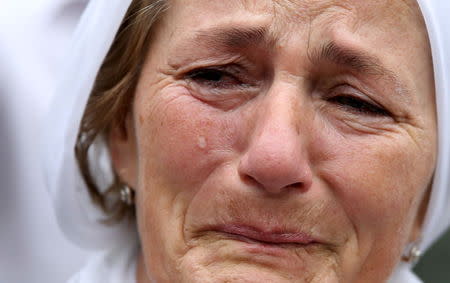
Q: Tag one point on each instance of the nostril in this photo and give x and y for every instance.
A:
(250, 180)
(297, 185)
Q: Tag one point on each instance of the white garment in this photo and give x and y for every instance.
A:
(436, 15)
(79, 219)
(110, 266)
(33, 36)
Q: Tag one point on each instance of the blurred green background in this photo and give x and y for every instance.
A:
(434, 267)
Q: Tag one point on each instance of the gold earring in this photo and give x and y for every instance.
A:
(127, 195)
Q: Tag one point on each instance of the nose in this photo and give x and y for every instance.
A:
(276, 157)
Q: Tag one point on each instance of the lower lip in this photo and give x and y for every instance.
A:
(256, 247)
(268, 243)
(266, 237)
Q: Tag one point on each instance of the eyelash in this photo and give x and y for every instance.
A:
(358, 106)
(215, 78)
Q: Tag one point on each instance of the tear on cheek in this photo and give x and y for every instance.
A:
(201, 142)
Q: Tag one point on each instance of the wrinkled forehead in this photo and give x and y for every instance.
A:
(397, 24)
(283, 12)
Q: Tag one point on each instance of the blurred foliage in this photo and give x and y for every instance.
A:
(434, 267)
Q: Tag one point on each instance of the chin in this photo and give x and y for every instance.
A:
(231, 264)
(248, 272)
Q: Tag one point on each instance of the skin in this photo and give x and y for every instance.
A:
(269, 138)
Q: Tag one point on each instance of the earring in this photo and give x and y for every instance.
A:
(413, 253)
(127, 195)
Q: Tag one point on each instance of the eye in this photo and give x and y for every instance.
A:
(222, 86)
(214, 78)
(358, 106)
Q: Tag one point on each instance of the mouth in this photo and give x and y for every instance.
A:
(272, 237)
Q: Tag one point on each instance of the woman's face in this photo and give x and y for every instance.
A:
(280, 141)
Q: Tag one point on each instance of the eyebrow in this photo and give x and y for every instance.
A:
(359, 61)
(234, 37)
(242, 37)
(353, 59)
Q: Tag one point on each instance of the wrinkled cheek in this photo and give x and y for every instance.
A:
(378, 186)
(182, 140)
(384, 187)
(374, 177)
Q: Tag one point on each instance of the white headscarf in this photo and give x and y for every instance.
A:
(436, 15)
(79, 217)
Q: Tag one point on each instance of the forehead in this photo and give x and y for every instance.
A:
(396, 24)
(302, 11)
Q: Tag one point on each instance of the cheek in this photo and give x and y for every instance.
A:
(182, 140)
(379, 181)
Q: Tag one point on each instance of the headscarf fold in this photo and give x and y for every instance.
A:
(437, 220)
(80, 219)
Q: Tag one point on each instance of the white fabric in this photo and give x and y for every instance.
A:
(33, 37)
(436, 14)
(79, 219)
(117, 265)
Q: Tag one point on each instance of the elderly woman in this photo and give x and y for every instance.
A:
(253, 141)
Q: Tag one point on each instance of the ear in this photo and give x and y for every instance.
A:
(123, 148)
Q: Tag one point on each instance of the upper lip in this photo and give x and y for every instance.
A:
(271, 236)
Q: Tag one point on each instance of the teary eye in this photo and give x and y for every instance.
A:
(214, 78)
(207, 75)
(222, 86)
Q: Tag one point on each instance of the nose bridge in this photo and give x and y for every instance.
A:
(277, 124)
(276, 157)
